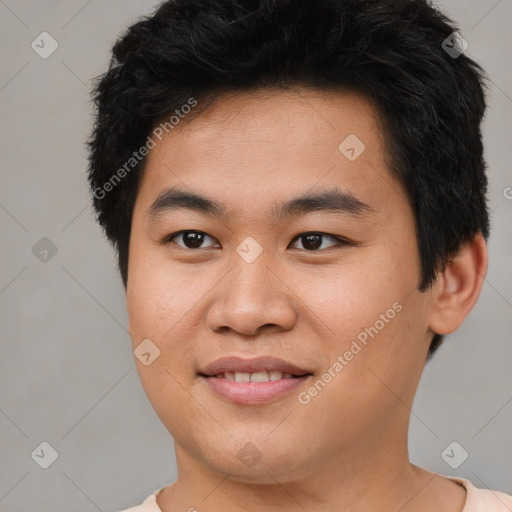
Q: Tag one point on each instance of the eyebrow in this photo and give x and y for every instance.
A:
(332, 200)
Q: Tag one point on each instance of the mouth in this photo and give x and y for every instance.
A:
(253, 381)
(264, 376)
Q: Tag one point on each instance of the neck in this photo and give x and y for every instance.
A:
(362, 480)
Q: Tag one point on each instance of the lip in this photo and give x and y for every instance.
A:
(253, 393)
(258, 364)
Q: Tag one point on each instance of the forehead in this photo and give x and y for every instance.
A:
(301, 117)
(265, 144)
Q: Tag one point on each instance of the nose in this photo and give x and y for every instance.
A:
(252, 298)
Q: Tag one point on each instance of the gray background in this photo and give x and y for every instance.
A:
(66, 367)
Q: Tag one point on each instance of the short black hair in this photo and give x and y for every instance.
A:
(430, 100)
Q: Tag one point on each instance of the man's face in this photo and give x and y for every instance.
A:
(346, 312)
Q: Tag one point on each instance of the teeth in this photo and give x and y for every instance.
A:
(254, 377)
(242, 377)
(259, 377)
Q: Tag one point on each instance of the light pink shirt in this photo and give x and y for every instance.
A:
(477, 500)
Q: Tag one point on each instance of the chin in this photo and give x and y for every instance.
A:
(249, 464)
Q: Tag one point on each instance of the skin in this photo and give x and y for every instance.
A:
(347, 448)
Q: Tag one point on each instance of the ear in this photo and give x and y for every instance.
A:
(457, 288)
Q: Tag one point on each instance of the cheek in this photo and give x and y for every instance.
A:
(160, 295)
(376, 321)
(160, 304)
(352, 295)
(165, 298)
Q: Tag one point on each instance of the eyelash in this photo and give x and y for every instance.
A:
(340, 241)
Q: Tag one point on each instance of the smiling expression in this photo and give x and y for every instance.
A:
(257, 234)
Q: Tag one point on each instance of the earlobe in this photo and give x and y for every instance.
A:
(458, 286)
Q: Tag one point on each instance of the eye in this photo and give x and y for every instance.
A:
(312, 240)
(191, 239)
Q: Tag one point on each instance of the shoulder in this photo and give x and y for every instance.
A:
(148, 505)
(483, 500)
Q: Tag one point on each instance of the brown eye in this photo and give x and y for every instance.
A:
(190, 239)
(313, 240)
